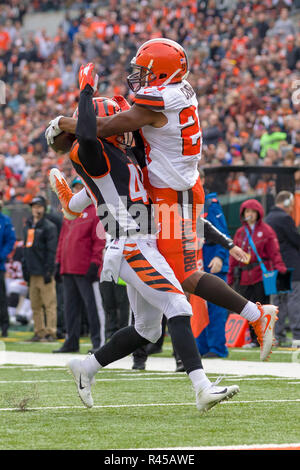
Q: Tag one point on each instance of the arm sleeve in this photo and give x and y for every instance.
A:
(213, 235)
(86, 129)
(90, 150)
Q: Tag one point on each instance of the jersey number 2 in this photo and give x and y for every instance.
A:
(191, 133)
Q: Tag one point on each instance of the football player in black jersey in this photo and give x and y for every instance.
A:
(153, 290)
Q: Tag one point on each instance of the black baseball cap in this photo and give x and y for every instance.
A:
(39, 200)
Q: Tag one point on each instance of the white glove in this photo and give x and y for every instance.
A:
(53, 130)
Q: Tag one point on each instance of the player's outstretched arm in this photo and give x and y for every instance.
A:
(67, 124)
(117, 124)
(213, 235)
(126, 121)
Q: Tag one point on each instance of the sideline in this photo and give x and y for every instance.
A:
(211, 366)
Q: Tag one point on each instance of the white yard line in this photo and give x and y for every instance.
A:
(142, 377)
(211, 366)
(118, 379)
(146, 405)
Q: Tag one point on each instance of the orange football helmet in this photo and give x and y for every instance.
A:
(108, 107)
(158, 62)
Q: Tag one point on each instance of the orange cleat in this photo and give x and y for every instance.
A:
(264, 329)
(63, 192)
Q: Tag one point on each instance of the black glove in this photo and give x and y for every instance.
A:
(57, 275)
(47, 278)
(92, 273)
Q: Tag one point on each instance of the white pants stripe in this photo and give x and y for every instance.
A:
(100, 310)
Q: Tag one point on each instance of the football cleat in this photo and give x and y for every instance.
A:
(264, 329)
(63, 192)
(83, 382)
(211, 396)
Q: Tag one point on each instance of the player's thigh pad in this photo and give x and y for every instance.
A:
(144, 268)
(147, 318)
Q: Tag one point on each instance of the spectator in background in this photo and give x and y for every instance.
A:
(262, 25)
(237, 65)
(292, 52)
(57, 219)
(272, 139)
(5, 171)
(15, 161)
(40, 242)
(7, 241)
(284, 26)
(280, 219)
(79, 262)
(19, 306)
(248, 278)
(5, 39)
(213, 132)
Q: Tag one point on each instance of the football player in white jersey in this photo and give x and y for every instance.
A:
(166, 111)
(113, 183)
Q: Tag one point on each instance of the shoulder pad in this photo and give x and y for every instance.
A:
(150, 97)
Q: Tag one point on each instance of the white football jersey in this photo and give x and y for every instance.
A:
(174, 150)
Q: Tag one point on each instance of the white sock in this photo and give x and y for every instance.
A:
(199, 379)
(91, 365)
(79, 201)
(251, 312)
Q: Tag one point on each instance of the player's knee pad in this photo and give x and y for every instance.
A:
(178, 305)
(150, 332)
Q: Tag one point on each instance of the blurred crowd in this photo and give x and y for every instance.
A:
(244, 63)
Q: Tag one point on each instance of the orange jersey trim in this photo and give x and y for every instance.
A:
(150, 101)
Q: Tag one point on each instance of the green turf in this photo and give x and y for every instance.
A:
(262, 412)
(135, 409)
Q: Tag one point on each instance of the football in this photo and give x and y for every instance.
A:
(63, 143)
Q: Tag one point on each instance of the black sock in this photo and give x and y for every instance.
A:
(122, 343)
(184, 342)
(215, 290)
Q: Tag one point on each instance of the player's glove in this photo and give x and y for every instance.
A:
(122, 102)
(87, 76)
(53, 130)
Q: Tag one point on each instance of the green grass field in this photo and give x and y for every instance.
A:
(40, 409)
